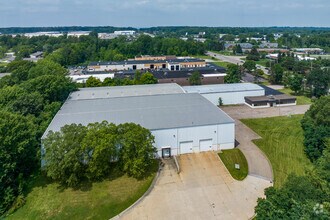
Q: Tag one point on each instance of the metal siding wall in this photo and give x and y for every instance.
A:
(231, 98)
(226, 136)
(165, 138)
(196, 134)
(222, 135)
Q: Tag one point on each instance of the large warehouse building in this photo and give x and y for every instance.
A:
(181, 123)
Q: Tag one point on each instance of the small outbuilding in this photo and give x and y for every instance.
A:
(270, 101)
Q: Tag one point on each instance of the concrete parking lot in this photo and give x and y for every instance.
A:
(203, 190)
(244, 111)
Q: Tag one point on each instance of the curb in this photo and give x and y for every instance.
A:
(143, 196)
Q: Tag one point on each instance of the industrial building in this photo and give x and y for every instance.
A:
(270, 101)
(231, 94)
(181, 123)
(142, 64)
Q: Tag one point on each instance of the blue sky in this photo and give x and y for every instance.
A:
(146, 13)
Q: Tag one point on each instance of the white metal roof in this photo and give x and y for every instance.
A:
(154, 112)
(221, 88)
(125, 91)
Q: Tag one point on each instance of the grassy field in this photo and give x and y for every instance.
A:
(99, 200)
(301, 99)
(322, 56)
(232, 157)
(262, 62)
(221, 63)
(282, 142)
(224, 52)
(202, 57)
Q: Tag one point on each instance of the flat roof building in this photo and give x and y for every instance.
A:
(270, 101)
(181, 123)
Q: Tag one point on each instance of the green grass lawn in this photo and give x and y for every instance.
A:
(262, 62)
(322, 56)
(301, 99)
(204, 57)
(230, 158)
(221, 63)
(98, 200)
(224, 52)
(3, 64)
(282, 142)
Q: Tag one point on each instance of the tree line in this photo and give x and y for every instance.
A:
(76, 51)
(29, 99)
(77, 153)
(139, 79)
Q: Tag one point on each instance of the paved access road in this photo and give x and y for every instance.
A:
(229, 59)
(203, 190)
(234, 60)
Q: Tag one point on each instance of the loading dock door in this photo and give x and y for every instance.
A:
(205, 145)
(186, 147)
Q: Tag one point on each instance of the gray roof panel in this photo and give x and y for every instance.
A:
(221, 88)
(125, 91)
(154, 112)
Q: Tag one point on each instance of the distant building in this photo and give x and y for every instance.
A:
(300, 58)
(38, 34)
(170, 64)
(34, 57)
(309, 50)
(107, 36)
(78, 33)
(277, 36)
(268, 45)
(255, 38)
(125, 33)
(229, 46)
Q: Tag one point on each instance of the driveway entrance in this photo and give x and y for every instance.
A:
(203, 190)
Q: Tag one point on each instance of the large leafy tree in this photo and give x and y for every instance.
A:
(297, 199)
(253, 55)
(101, 144)
(64, 155)
(52, 87)
(195, 78)
(136, 149)
(296, 82)
(316, 126)
(249, 65)
(276, 74)
(18, 147)
(79, 152)
(20, 70)
(319, 81)
(148, 78)
(46, 67)
(93, 82)
(234, 74)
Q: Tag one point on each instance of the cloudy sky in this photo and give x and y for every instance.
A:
(146, 13)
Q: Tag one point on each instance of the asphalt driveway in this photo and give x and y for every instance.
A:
(203, 190)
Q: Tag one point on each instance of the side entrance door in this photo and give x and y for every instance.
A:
(186, 147)
(205, 145)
